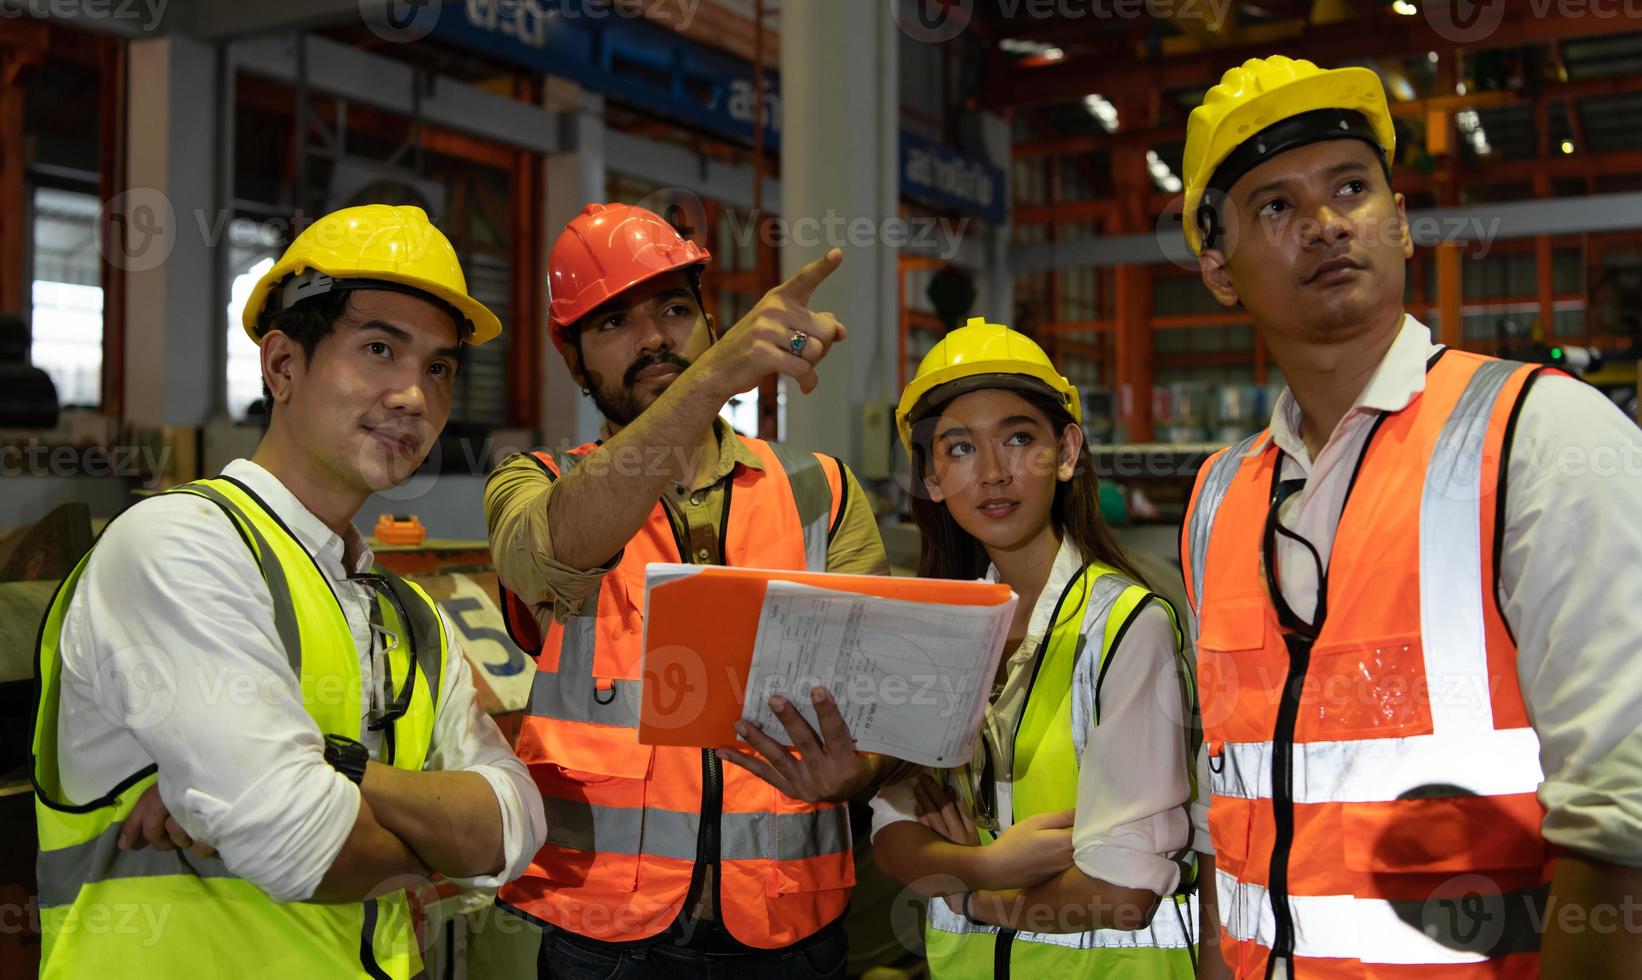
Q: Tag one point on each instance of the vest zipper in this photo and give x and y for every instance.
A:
(1282, 798)
(712, 774)
(1288, 713)
(1004, 942)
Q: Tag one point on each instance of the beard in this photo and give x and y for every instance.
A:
(622, 405)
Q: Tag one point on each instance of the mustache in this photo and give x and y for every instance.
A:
(631, 377)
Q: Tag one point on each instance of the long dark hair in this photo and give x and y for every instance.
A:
(948, 551)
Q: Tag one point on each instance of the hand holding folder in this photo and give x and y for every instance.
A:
(909, 661)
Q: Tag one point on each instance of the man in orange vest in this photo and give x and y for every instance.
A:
(661, 861)
(1418, 607)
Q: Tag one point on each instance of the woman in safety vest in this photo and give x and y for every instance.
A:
(1062, 848)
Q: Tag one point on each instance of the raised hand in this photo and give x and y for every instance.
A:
(762, 343)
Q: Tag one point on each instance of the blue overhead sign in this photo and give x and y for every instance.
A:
(943, 177)
(611, 50)
(614, 51)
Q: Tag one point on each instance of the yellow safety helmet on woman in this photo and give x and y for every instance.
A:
(981, 355)
(373, 246)
(1268, 106)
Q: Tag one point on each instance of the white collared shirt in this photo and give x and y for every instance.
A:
(1570, 578)
(170, 657)
(1132, 784)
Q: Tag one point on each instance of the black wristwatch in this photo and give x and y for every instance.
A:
(347, 756)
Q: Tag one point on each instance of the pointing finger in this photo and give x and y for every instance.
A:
(802, 286)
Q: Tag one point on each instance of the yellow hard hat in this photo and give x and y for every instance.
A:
(391, 246)
(992, 356)
(1251, 100)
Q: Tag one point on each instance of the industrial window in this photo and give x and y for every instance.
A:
(67, 296)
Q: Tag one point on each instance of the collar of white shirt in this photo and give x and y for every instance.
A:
(1400, 376)
(312, 533)
(1068, 562)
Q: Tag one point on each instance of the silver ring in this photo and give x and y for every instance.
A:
(800, 340)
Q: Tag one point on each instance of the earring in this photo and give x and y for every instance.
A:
(585, 392)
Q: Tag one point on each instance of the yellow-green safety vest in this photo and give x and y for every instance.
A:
(1062, 703)
(163, 914)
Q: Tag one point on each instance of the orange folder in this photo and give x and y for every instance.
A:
(699, 633)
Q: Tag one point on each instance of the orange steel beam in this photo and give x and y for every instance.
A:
(1078, 326)
(1132, 304)
(15, 66)
(1543, 255)
(524, 368)
(1449, 328)
(1186, 321)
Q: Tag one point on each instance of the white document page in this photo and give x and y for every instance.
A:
(911, 678)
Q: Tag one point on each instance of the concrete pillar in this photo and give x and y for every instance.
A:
(169, 225)
(575, 178)
(840, 123)
(997, 279)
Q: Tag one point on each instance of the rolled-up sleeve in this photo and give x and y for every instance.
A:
(521, 545)
(1572, 591)
(1133, 784)
(466, 739)
(856, 547)
(894, 803)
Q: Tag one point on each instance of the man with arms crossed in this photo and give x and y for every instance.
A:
(227, 666)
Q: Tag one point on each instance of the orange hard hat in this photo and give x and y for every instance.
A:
(607, 250)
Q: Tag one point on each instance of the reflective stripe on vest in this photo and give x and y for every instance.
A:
(673, 833)
(1451, 587)
(1469, 927)
(1062, 705)
(216, 923)
(624, 824)
(1221, 470)
(1410, 768)
(1381, 770)
(1174, 926)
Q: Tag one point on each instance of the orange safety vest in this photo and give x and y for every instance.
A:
(631, 827)
(1372, 790)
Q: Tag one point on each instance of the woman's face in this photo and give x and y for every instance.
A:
(994, 461)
